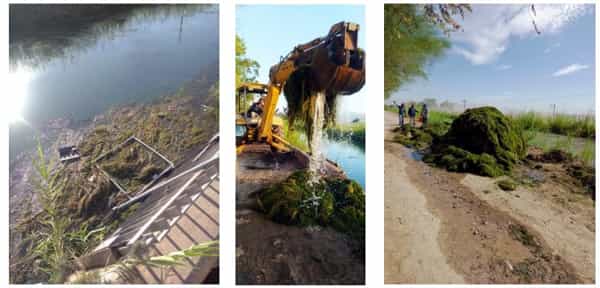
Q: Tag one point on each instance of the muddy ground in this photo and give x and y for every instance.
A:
(271, 253)
(443, 227)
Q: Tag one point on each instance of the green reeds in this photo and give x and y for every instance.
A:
(562, 124)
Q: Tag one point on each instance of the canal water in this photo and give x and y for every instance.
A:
(349, 156)
(80, 70)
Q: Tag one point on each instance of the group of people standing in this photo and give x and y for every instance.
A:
(412, 114)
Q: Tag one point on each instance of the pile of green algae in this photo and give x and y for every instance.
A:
(335, 202)
(481, 141)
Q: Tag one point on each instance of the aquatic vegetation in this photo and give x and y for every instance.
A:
(339, 203)
(413, 137)
(481, 141)
(76, 199)
(98, 200)
(586, 175)
(507, 185)
(521, 234)
(303, 103)
(552, 156)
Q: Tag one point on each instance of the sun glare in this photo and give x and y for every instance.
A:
(18, 84)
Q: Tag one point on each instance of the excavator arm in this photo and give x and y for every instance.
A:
(336, 64)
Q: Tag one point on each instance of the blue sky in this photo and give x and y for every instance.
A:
(271, 31)
(499, 59)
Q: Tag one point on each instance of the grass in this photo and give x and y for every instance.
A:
(354, 132)
(563, 124)
(581, 148)
(439, 121)
(295, 136)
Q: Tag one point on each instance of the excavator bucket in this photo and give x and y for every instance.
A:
(338, 65)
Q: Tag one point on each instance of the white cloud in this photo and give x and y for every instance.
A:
(570, 69)
(504, 67)
(487, 31)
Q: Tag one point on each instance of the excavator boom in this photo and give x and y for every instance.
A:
(335, 62)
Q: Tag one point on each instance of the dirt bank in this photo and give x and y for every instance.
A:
(568, 227)
(271, 253)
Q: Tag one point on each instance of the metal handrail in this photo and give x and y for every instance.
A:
(162, 209)
(204, 164)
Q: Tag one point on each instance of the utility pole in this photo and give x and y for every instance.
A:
(553, 109)
(464, 104)
(180, 29)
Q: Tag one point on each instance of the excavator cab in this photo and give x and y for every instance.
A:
(247, 119)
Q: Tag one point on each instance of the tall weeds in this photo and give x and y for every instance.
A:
(50, 250)
(562, 124)
(51, 239)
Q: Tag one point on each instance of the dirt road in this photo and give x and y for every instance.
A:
(445, 227)
(412, 252)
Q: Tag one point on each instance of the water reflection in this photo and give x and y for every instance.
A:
(76, 61)
(349, 156)
(17, 88)
(40, 33)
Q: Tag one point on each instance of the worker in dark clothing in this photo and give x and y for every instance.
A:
(424, 115)
(401, 113)
(412, 114)
(256, 107)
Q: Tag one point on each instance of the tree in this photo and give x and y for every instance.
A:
(246, 69)
(414, 36)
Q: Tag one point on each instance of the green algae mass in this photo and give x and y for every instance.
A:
(339, 203)
(507, 185)
(413, 137)
(481, 141)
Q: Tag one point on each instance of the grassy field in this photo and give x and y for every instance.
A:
(562, 124)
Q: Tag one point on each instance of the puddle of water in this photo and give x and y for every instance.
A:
(416, 155)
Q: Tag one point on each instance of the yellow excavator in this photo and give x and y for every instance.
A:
(336, 65)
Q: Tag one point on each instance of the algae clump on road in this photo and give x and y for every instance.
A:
(482, 141)
(335, 202)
